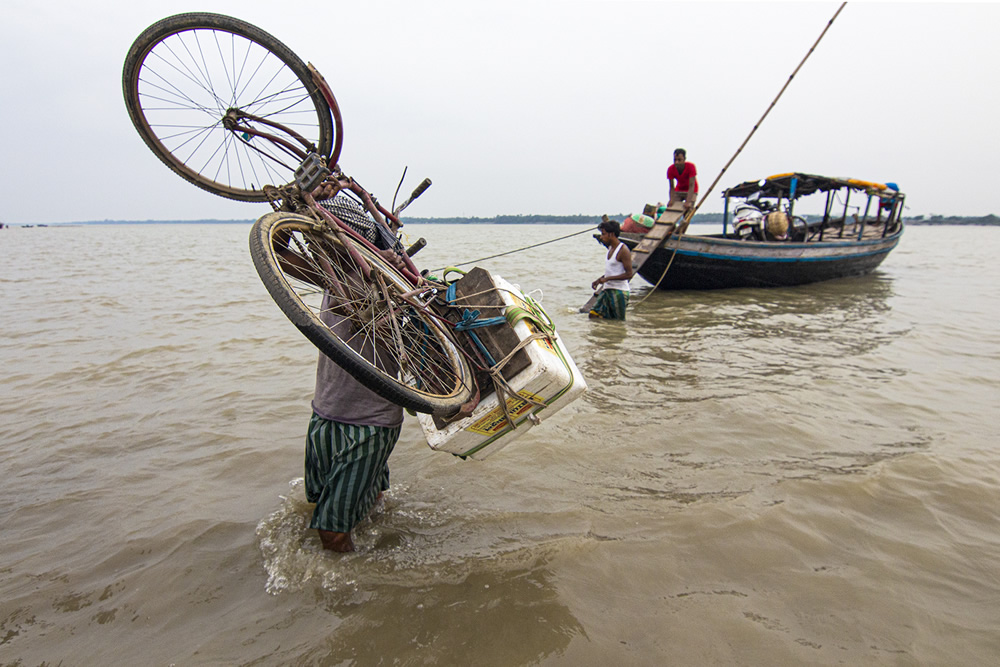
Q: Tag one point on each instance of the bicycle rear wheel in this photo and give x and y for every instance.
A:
(397, 350)
(185, 73)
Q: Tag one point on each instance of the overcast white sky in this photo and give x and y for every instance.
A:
(533, 107)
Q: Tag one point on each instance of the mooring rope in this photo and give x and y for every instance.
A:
(682, 228)
(511, 252)
(685, 221)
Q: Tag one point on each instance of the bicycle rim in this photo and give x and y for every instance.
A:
(399, 351)
(184, 73)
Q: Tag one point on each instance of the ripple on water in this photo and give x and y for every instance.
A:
(420, 542)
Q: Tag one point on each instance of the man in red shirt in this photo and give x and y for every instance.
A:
(683, 179)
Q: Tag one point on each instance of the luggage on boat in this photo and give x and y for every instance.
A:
(777, 224)
(531, 375)
(637, 224)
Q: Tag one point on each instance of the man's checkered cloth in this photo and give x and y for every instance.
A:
(353, 214)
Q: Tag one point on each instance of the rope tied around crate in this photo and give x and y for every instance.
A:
(534, 315)
(504, 389)
(541, 328)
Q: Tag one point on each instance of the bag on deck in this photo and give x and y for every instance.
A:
(637, 224)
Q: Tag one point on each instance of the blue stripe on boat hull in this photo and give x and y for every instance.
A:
(726, 264)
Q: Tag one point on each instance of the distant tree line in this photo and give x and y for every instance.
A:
(543, 219)
(514, 220)
(699, 218)
(951, 220)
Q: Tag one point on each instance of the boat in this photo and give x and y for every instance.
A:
(766, 244)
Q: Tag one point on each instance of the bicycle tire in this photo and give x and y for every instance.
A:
(434, 377)
(183, 74)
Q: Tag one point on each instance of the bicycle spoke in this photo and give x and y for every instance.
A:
(386, 331)
(187, 81)
(183, 67)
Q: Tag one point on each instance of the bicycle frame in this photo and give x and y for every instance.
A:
(335, 181)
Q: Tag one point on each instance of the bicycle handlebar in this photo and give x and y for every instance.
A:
(424, 184)
(420, 189)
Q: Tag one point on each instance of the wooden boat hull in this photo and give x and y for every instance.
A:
(713, 262)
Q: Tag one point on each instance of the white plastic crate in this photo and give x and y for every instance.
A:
(552, 378)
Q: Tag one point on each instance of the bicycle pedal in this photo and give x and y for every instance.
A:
(310, 173)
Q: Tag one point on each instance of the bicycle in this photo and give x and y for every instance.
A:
(234, 111)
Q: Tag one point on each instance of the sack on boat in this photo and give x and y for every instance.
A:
(637, 224)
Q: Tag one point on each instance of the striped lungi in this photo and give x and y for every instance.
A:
(346, 468)
(611, 304)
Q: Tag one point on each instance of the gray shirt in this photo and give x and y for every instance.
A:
(339, 397)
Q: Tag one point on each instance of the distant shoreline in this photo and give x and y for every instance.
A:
(580, 220)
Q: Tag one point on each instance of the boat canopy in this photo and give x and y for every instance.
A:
(883, 203)
(795, 185)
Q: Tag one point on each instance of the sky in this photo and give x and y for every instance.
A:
(536, 107)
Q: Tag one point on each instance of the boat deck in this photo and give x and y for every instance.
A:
(849, 231)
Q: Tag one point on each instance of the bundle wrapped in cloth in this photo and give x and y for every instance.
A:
(637, 224)
(777, 224)
(642, 222)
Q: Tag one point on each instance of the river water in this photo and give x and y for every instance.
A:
(787, 476)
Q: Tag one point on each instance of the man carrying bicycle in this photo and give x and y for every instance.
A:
(352, 430)
(351, 434)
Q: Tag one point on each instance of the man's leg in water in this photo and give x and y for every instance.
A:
(346, 472)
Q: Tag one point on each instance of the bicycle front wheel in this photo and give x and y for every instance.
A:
(198, 88)
(395, 348)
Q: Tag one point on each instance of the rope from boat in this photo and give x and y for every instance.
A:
(588, 230)
(682, 227)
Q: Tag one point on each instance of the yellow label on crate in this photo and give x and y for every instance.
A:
(494, 421)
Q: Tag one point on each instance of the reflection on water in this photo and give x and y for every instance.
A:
(715, 393)
(693, 345)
